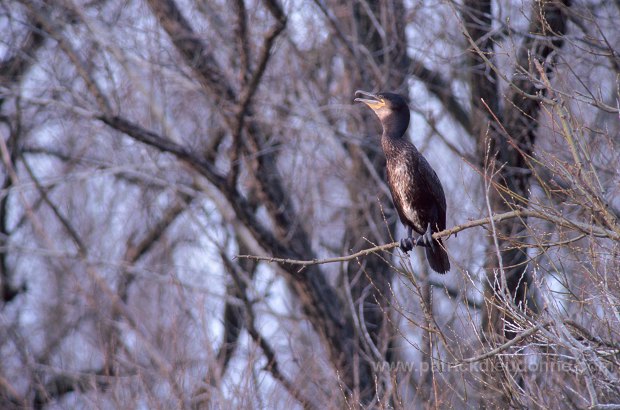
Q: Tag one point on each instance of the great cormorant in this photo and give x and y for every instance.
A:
(416, 190)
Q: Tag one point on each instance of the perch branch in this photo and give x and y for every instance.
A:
(560, 221)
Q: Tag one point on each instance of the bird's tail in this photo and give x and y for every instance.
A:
(437, 257)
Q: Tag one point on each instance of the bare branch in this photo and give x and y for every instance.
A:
(579, 226)
(505, 346)
(195, 53)
(250, 88)
(14, 67)
(440, 87)
(272, 362)
(66, 383)
(41, 17)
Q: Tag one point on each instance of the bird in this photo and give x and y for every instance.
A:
(416, 190)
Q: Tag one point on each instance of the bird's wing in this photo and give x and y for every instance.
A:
(431, 185)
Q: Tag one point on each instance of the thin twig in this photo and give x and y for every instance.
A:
(55, 31)
(272, 365)
(245, 99)
(505, 346)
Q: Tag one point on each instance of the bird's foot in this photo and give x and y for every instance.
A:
(426, 240)
(406, 244)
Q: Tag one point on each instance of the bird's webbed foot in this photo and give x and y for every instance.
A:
(426, 240)
(406, 244)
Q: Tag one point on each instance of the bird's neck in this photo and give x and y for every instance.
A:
(395, 126)
(394, 139)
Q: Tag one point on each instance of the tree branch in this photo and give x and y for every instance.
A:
(66, 383)
(194, 51)
(320, 301)
(499, 349)
(13, 68)
(55, 31)
(272, 362)
(440, 88)
(579, 226)
(243, 108)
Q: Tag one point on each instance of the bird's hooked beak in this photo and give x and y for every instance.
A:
(373, 101)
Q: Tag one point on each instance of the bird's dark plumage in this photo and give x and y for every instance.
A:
(416, 190)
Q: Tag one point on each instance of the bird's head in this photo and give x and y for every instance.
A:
(391, 108)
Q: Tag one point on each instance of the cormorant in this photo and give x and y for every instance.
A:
(416, 190)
